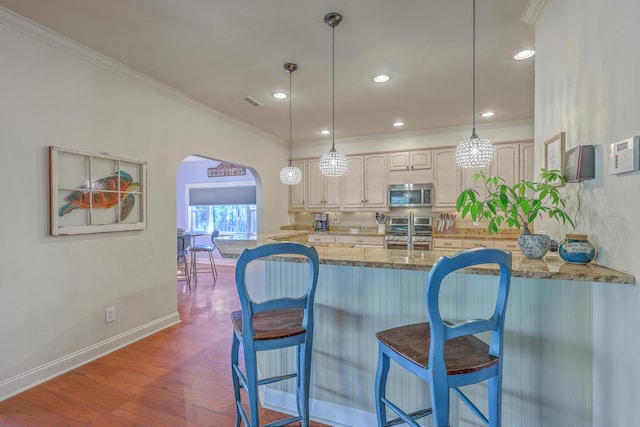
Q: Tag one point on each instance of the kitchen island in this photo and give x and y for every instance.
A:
(548, 354)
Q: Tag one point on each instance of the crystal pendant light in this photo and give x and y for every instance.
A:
(474, 152)
(333, 163)
(290, 175)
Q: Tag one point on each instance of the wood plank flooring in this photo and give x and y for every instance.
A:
(176, 377)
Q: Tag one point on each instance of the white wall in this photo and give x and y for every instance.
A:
(54, 290)
(587, 84)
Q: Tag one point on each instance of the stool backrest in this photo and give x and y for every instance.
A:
(251, 307)
(184, 241)
(443, 331)
(214, 236)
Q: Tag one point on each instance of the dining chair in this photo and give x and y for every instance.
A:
(446, 355)
(184, 241)
(208, 249)
(271, 324)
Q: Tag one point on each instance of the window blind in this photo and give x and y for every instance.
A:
(242, 195)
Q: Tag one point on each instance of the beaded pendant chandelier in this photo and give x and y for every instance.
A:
(290, 175)
(474, 152)
(333, 163)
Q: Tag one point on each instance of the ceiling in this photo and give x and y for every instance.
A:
(219, 51)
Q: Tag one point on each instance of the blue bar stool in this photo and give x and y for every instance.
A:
(445, 355)
(273, 324)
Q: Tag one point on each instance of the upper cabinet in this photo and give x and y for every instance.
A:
(513, 162)
(409, 167)
(323, 191)
(365, 183)
(447, 179)
(526, 162)
(410, 160)
(298, 192)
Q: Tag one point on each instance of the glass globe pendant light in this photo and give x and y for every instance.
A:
(290, 175)
(333, 163)
(474, 152)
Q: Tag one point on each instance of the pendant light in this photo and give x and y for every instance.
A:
(333, 163)
(290, 175)
(474, 152)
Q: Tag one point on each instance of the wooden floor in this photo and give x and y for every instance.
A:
(177, 377)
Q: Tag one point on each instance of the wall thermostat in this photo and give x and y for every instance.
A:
(579, 164)
(624, 156)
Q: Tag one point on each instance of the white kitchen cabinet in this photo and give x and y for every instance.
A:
(323, 191)
(507, 245)
(513, 162)
(352, 185)
(476, 243)
(298, 192)
(321, 238)
(410, 160)
(468, 182)
(361, 241)
(411, 167)
(445, 244)
(526, 162)
(365, 183)
(447, 179)
(440, 244)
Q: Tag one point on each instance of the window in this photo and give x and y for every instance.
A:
(229, 209)
(225, 218)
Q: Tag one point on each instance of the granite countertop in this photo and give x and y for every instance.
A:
(550, 267)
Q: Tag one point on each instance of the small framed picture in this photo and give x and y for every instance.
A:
(554, 153)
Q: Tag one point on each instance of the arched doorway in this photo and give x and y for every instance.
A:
(215, 195)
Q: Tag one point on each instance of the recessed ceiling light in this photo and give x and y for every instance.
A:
(280, 95)
(524, 54)
(398, 124)
(488, 114)
(382, 78)
(325, 132)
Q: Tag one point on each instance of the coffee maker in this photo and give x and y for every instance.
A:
(320, 222)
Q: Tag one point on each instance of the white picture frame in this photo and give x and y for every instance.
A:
(95, 193)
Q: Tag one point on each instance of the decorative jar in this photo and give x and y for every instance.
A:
(576, 249)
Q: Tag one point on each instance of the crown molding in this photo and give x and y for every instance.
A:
(532, 11)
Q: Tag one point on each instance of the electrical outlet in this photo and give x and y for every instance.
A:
(109, 314)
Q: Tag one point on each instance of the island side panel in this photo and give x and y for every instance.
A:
(547, 377)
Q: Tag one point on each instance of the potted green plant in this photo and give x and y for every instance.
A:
(517, 205)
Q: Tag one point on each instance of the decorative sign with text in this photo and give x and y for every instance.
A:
(226, 169)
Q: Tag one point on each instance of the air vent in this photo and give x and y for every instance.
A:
(251, 100)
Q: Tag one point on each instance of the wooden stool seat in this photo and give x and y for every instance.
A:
(461, 355)
(273, 324)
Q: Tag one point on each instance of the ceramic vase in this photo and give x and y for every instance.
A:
(534, 246)
(576, 249)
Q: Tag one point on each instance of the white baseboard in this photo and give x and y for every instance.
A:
(40, 374)
(323, 412)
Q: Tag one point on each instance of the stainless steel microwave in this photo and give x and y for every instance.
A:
(408, 195)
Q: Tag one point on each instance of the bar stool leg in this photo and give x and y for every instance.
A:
(252, 387)
(235, 346)
(194, 267)
(214, 271)
(381, 387)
